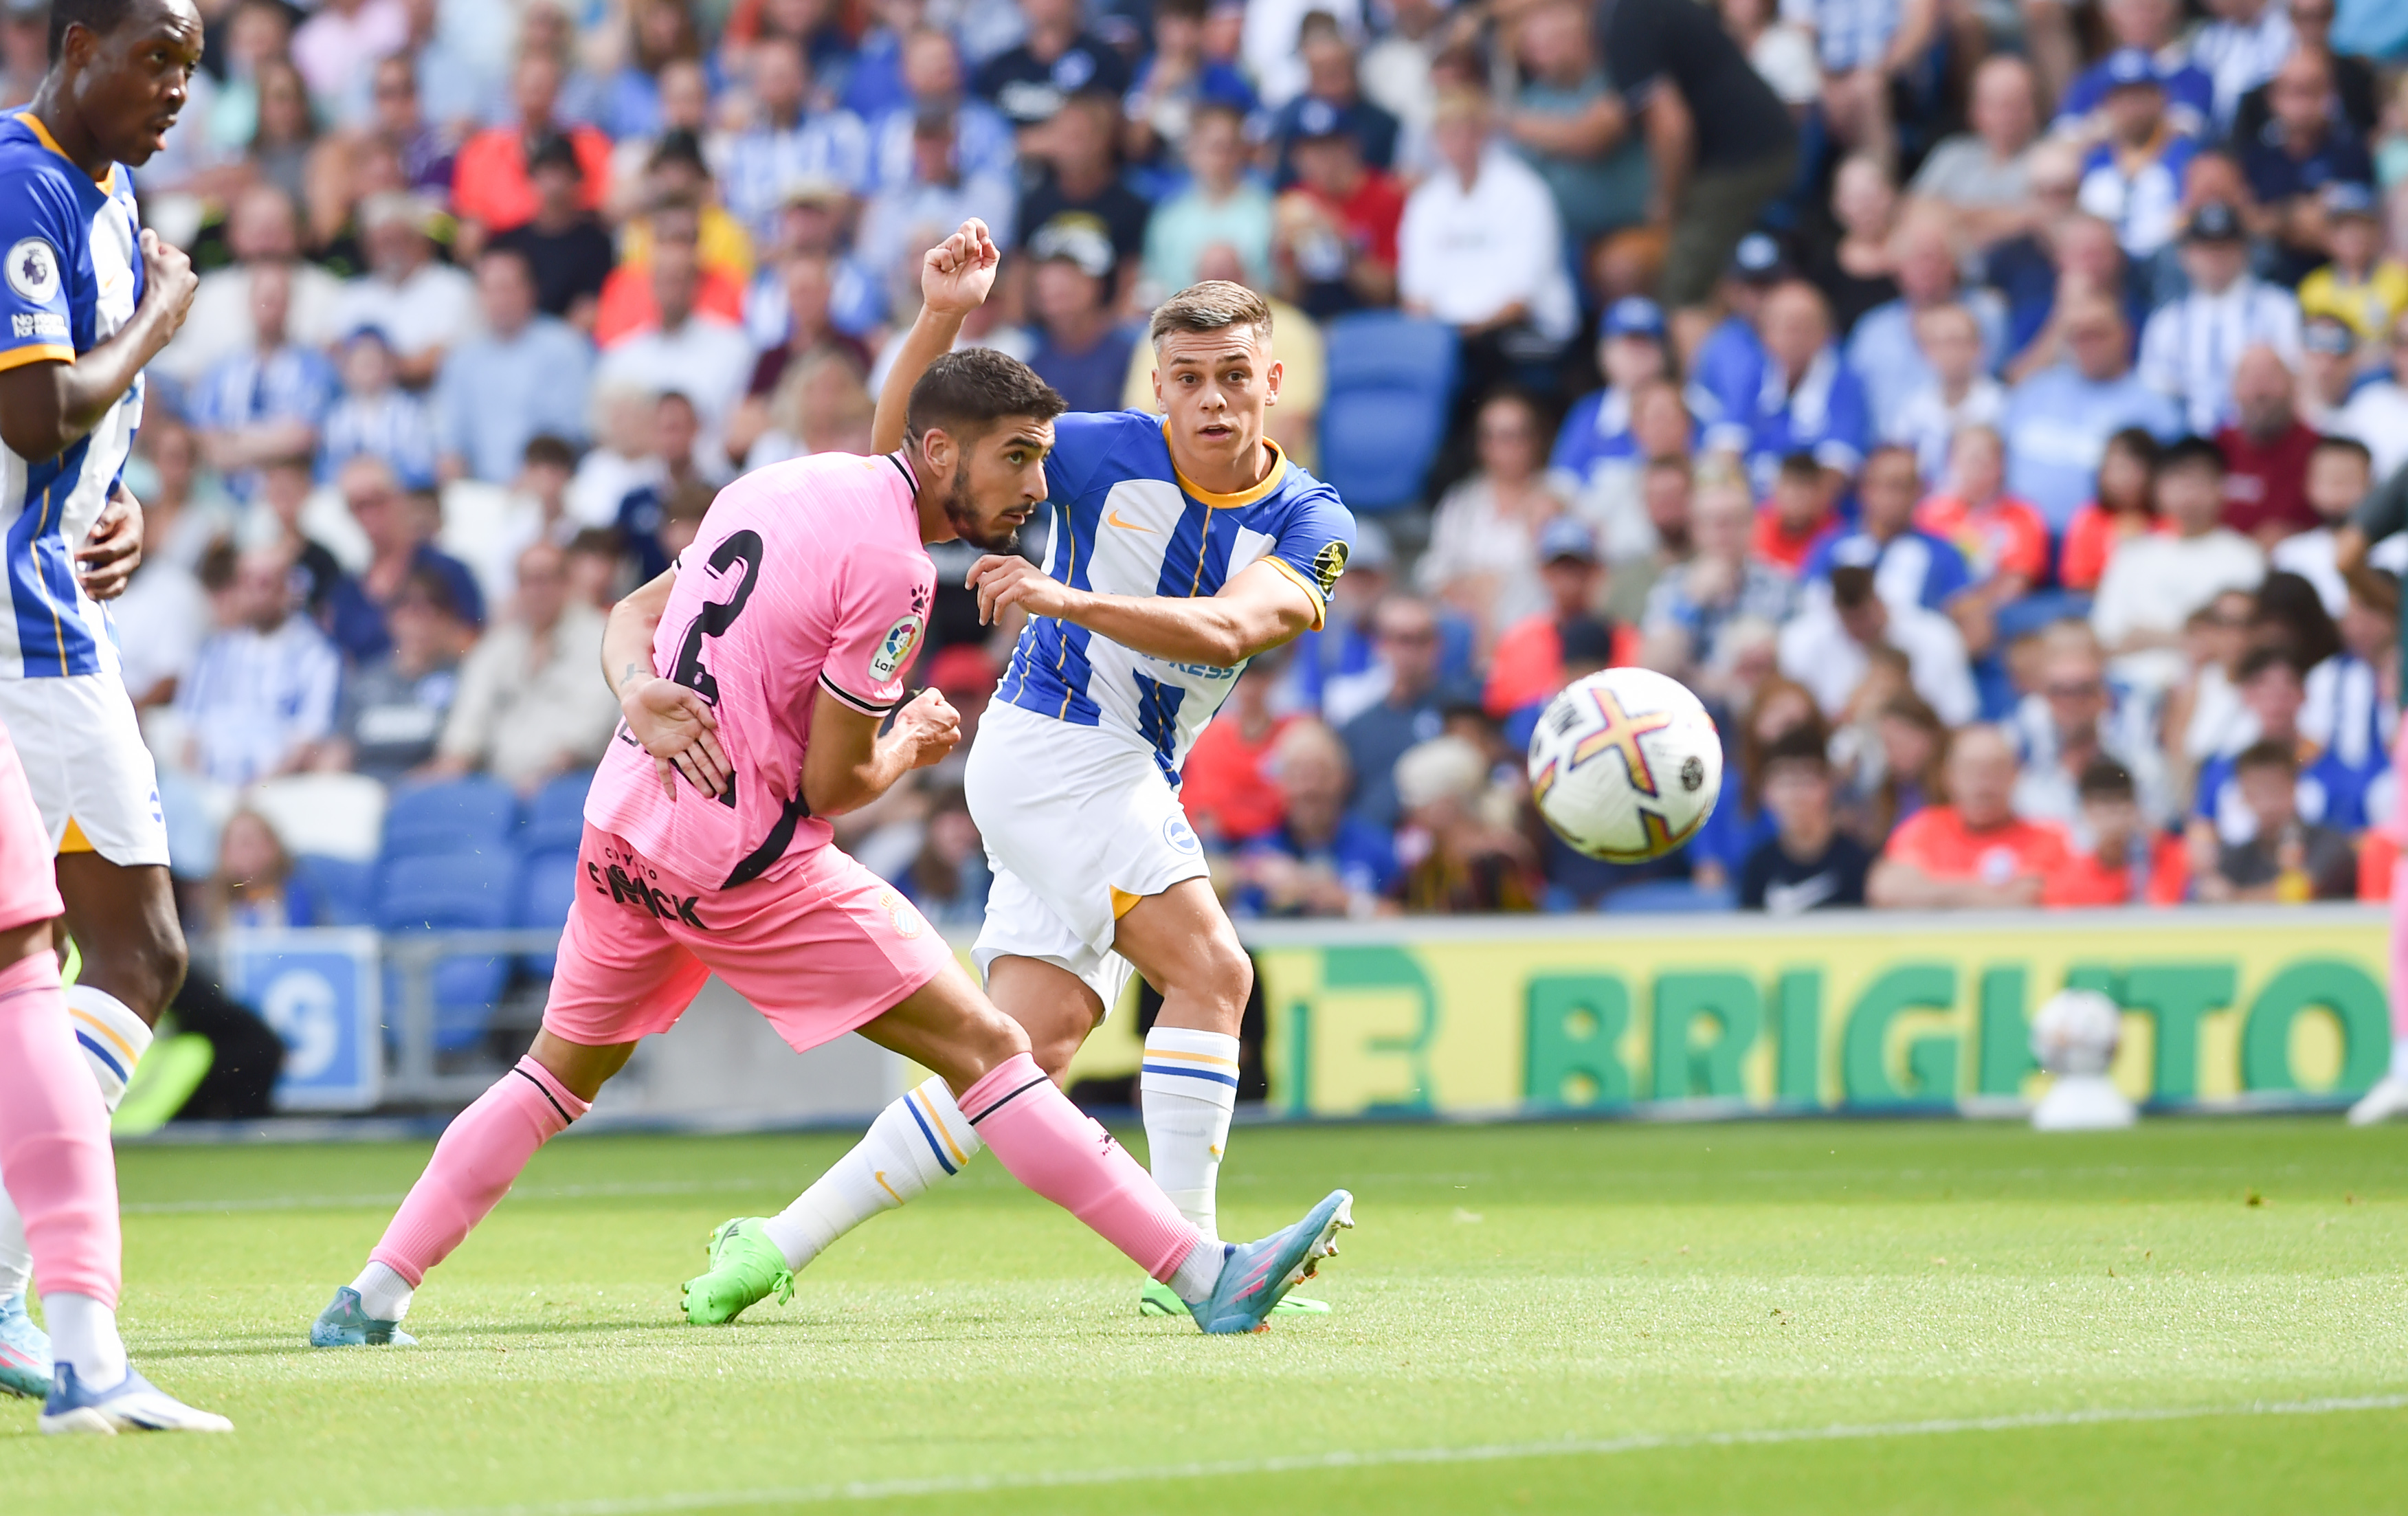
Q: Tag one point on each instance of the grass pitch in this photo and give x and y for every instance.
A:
(2196, 1316)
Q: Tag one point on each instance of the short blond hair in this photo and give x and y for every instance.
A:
(1213, 306)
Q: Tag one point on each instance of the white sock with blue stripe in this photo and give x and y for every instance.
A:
(1190, 1086)
(111, 1039)
(919, 1140)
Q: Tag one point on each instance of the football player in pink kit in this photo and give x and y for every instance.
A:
(783, 632)
(55, 1152)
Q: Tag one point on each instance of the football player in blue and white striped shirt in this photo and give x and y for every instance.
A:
(87, 299)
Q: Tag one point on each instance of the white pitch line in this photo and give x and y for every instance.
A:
(1390, 1457)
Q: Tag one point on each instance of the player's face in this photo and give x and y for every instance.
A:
(129, 84)
(998, 482)
(1215, 387)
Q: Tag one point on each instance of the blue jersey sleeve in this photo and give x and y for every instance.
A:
(1082, 440)
(39, 231)
(1314, 537)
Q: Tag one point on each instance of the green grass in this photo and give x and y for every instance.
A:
(1568, 1318)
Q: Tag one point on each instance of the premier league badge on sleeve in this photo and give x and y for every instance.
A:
(33, 270)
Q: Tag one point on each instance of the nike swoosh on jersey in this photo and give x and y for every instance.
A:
(1113, 517)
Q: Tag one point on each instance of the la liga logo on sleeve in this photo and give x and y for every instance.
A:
(894, 648)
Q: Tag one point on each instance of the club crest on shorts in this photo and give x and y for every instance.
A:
(1176, 831)
(894, 648)
(33, 269)
(908, 920)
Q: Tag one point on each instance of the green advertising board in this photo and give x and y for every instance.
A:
(1845, 1010)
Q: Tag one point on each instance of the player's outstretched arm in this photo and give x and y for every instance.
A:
(848, 765)
(675, 724)
(1259, 609)
(954, 278)
(44, 407)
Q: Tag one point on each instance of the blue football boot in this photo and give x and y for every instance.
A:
(1256, 1276)
(24, 1351)
(344, 1325)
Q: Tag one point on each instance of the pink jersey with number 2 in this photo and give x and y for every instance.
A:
(807, 575)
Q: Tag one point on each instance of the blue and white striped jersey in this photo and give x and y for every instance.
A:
(70, 275)
(1125, 523)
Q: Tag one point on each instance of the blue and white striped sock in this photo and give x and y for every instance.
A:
(920, 1140)
(1190, 1086)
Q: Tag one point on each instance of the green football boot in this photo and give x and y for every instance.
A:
(1158, 1299)
(746, 1268)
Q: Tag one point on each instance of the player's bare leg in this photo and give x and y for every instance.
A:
(1058, 1008)
(123, 922)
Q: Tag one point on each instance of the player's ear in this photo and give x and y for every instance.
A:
(1272, 382)
(937, 449)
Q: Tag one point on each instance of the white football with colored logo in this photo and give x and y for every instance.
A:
(2076, 1032)
(1626, 765)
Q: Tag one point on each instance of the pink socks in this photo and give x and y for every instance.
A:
(482, 1151)
(54, 1153)
(1071, 1161)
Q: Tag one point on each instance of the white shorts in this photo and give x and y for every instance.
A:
(92, 777)
(1080, 825)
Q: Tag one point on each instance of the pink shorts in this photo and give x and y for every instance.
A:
(820, 950)
(29, 885)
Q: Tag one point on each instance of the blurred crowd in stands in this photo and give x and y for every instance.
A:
(1964, 396)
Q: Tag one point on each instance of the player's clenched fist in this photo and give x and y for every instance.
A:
(1003, 581)
(114, 549)
(928, 729)
(167, 279)
(957, 273)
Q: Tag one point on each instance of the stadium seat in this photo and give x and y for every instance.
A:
(1666, 897)
(547, 883)
(556, 816)
(455, 891)
(457, 816)
(1391, 380)
(324, 815)
(339, 892)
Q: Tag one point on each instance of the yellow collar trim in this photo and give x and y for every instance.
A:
(35, 123)
(1226, 502)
